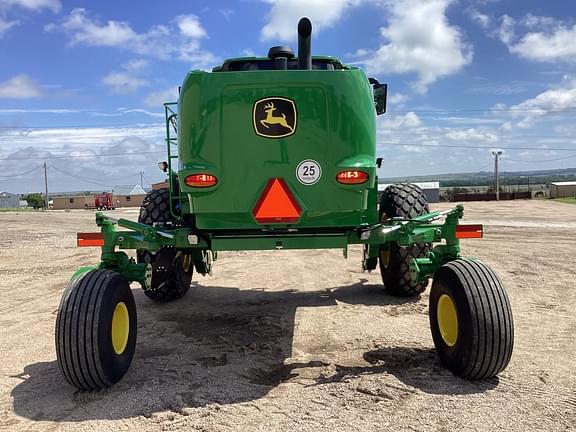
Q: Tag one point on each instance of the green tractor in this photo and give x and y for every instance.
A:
(279, 152)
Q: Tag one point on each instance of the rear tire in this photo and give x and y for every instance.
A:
(406, 201)
(171, 270)
(471, 319)
(96, 330)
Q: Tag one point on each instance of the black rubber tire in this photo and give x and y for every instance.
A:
(485, 330)
(406, 201)
(84, 348)
(171, 279)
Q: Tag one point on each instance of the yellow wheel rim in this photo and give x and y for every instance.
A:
(186, 261)
(120, 328)
(385, 257)
(447, 320)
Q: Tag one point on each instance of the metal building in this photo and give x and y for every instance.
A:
(430, 189)
(128, 195)
(9, 200)
(73, 202)
(562, 189)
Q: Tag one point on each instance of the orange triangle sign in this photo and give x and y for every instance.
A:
(277, 204)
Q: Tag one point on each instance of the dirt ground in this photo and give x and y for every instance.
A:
(294, 341)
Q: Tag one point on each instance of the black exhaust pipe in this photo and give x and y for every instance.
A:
(304, 44)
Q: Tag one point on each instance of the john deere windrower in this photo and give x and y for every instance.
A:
(279, 152)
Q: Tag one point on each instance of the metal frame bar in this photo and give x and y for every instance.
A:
(402, 231)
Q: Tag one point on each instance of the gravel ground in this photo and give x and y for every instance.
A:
(294, 340)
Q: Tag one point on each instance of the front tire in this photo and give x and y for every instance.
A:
(471, 319)
(405, 201)
(96, 330)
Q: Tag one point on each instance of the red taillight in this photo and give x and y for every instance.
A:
(201, 180)
(469, 231)
(352, 177)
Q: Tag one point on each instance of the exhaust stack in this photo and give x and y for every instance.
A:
(304, 44)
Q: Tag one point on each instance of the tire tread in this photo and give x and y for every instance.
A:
(404, 200)
(491, 315)
(77, 329)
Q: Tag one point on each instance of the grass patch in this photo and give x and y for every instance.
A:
(566, 200)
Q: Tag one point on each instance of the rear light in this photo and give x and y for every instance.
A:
(352, 177)
(201, 180)
(469, 231)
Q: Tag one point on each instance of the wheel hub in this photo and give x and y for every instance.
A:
(120, 328)
(447, 320)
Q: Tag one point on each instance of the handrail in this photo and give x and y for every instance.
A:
(171, 116)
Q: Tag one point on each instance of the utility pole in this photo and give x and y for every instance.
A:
(497, 154)
(141, 179)
(46, 183)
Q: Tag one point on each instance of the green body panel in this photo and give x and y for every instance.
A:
(335, 127)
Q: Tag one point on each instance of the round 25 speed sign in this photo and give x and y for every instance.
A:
(308, 172)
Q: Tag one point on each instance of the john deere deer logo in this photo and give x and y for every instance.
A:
(274, 117)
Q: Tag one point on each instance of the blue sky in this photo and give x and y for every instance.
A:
(82, 83)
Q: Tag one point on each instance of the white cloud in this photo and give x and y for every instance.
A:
(179, 40)
(398, 98)
(19, 87)
(553, 100)
(538, 38)
(41, 111)
(472, 135)
(6, 25)
(540, 22)
(108, 155)
(123, 82)
(419, 39)
(407, 121)
(505, 32)
(557, 45)
(284, 15)
(128, 80)
(53, 5)
(83, 30)
(156, 99)
(135, 65)
(479, 18)
(227, 13)
(119, 153)
(190, 26)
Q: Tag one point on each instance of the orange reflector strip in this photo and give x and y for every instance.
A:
(469, 231)
(201, 180)
(277, 204)
(89, 239)
(352, 177)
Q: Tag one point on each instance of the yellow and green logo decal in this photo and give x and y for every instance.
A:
(274, 117)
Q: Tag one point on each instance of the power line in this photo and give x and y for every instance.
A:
(86, 126)
(509, 110)
(476, 147)
(542, 160)
(82, 156)
(22, 174)
(78, 177)
(113, 179)
(146, 178)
